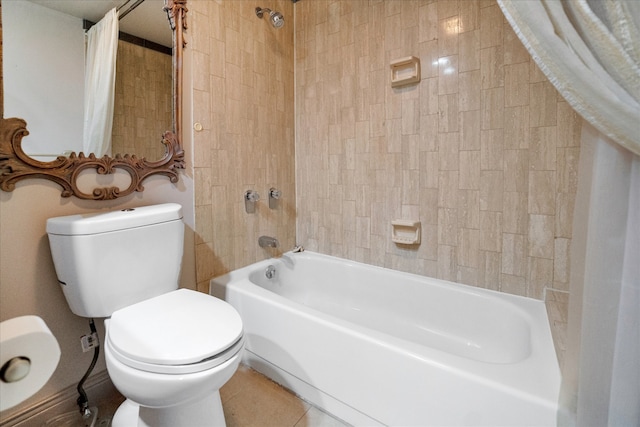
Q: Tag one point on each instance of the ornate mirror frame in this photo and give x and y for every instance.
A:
(16, 165)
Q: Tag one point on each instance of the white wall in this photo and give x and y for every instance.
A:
(43, 63)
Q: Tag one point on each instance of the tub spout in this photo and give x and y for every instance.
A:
(268, 242)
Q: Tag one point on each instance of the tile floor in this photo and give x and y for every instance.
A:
(250, 399)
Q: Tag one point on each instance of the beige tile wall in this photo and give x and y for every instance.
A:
(143, 101)
(243, 96)
(483, 151)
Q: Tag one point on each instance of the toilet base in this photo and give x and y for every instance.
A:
(206, 412)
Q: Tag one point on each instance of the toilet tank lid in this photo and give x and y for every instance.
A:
(102, 222)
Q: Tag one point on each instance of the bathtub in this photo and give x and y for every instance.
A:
(374, 346)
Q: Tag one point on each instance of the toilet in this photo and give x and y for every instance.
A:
(167, 350)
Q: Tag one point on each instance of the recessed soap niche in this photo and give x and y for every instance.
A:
(405, 71)
(406, 232)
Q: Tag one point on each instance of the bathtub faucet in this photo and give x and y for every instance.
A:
(268, 242)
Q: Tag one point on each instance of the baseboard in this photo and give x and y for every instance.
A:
(98, 387)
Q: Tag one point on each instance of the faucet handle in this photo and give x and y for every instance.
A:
(251, 196)
(274, 193)
(250, 199)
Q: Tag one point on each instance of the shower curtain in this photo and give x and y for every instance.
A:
(590, 51)
(100, 78)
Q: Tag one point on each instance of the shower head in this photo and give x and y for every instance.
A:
(276, 18)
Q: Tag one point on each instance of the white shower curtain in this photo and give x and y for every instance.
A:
(590, 51)
(100, 78)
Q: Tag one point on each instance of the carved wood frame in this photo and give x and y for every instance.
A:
(16, 165)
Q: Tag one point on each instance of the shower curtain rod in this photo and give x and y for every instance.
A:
(126, 12)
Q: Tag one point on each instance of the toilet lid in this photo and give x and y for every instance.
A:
(177, 328)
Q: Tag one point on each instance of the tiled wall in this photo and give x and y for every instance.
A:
(243, 97)
(143, 101)
(483, 151)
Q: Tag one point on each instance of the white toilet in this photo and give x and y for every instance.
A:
(168, 350)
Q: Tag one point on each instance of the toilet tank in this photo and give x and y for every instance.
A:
(110, 260)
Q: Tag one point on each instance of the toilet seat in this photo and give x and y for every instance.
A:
(191, 368)
(182, 331)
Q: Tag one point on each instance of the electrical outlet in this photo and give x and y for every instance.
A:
(89, 341)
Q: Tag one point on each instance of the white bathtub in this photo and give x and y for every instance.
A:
(374, 346)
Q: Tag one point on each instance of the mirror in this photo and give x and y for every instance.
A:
(16, 164)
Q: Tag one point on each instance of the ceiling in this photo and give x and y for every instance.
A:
(148, 20)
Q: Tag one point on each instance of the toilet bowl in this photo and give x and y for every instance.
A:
(169, 355)
(167, 350)
(159, 400)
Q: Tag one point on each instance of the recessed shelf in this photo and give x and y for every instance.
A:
(405, 232)
(405, 71)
